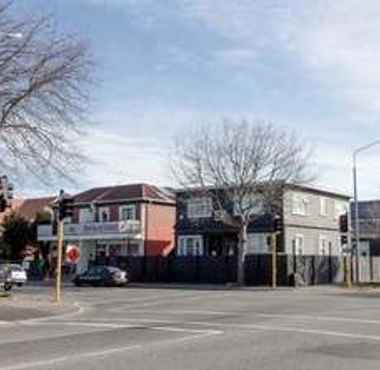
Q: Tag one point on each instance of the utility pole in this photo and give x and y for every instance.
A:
(356, 205)
(58, 280)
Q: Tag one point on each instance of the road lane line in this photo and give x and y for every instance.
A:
(321, 318)
(289, 329)
(58, 360)
(200, 334)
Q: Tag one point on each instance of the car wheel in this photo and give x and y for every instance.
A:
(7, 287)
(19, 285)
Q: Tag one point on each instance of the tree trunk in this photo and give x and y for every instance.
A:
(242, 247)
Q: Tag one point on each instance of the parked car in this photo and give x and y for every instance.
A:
(18, 274)
(102, 276)
(5, 278)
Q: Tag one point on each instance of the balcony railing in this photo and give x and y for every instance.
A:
(94, 230)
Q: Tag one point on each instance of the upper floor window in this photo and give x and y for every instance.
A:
(199, 207)
(323, 206)
(127, 212)
(300, 204)
(104, 214)
(86, 215)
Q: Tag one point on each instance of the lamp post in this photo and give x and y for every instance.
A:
(356, 204)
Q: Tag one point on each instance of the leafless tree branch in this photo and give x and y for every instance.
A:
(45, 83)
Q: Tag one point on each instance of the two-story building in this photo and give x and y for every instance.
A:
(311, 219)
(112, 221)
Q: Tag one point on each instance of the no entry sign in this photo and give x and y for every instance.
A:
(72, 253)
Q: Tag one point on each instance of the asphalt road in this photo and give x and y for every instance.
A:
(323, 328)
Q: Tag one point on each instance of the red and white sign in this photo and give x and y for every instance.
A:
(72, 253)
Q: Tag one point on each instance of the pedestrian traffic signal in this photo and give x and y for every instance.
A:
(65, 206)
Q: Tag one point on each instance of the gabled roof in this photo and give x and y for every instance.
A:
(125, 192)
(28, 208)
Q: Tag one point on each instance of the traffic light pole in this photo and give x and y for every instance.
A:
(58, 279)
(274, 259)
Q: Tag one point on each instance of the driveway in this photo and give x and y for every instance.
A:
(134, 328)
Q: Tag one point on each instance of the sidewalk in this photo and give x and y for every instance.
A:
(49, 283)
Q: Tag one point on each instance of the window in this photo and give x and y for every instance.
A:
(86, 215)
(190, 245)
(104, 214)
(323, 246)
(323, 206)
(127, 212)
(300, 205)
(199, 207)
(258, 243)
(298, 244)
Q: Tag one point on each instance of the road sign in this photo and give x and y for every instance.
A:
(72, 253)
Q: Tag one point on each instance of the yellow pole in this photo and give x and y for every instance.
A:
(59, 263)
(348, 271)
(274, 260)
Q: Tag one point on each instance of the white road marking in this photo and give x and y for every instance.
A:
(57, 360)
(94, 354)
(321, 318)
(127, 307)
(81, 323)
(289, 329)
(186, 330)
(182, 312)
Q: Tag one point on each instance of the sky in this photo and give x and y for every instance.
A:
(167, 65)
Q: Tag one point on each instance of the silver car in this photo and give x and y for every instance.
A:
(16, 274)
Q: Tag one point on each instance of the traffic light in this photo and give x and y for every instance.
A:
(343, 224)
(6, 193)
(65, 205)
(278, 223)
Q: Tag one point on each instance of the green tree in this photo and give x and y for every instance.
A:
(17, 234)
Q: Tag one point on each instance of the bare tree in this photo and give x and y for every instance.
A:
(243, 164)
(45, 80)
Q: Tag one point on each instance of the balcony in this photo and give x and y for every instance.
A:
(94, 230)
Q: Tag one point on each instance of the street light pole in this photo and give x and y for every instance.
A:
(356, 203)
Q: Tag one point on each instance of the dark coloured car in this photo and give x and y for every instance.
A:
(102, 276)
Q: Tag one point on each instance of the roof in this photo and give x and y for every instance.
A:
(125, 192)
(321, 190)
(308, 188)
(28, 208)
